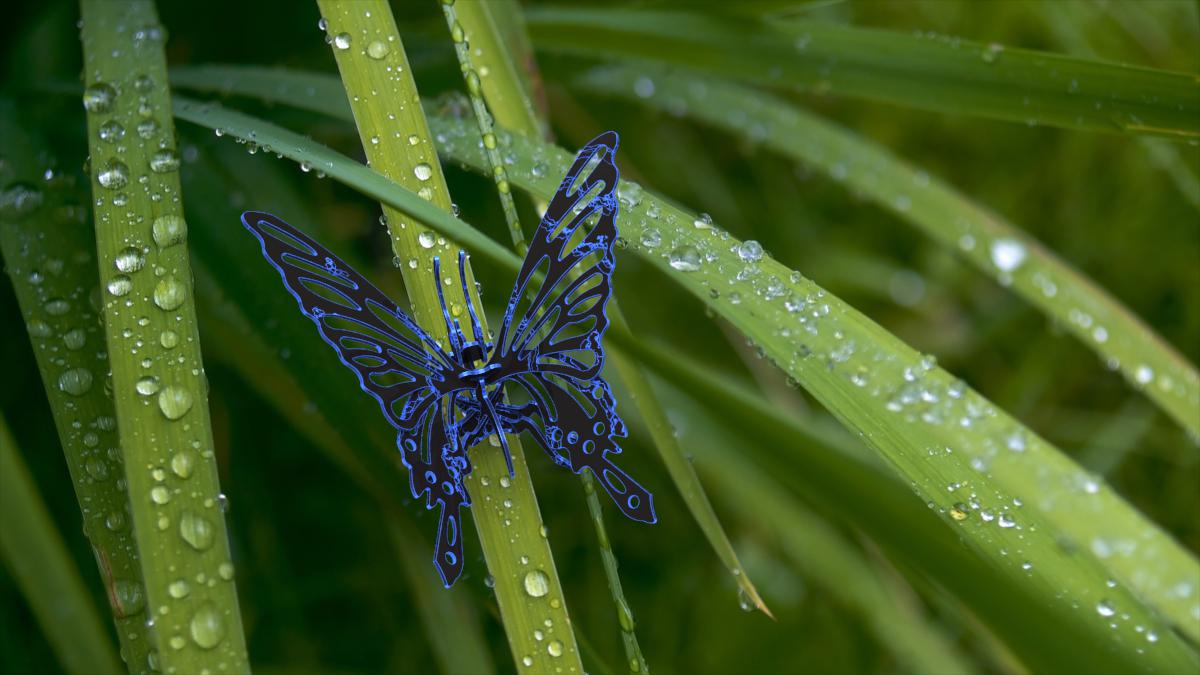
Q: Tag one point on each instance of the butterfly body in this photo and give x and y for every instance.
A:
(548, 351)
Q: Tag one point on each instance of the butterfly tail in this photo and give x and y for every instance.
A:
(448, 554)
(630, 497)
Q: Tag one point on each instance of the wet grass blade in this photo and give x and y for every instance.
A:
(38, 560)
(985, 239)
(158, 384)
(392, 127)
(1019, 500)
(320, 93)
(511, 104)
(49, 253)
(937, 73)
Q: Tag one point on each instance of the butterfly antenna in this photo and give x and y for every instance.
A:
(455, 344)
(462, 276)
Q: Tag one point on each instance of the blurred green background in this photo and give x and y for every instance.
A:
(318, 576)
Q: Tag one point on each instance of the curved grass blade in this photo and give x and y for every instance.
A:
(158, 382)
(310, 396)
(386, 106)
(985, 239)
(514, 111)
(320, 93)
(938, 73)
(937, 433)
(35, 554)
(49, 254)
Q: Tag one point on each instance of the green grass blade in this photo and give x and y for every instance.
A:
(49, 254)
(36, 556)
(157, 372)
(950, 218)
(513, 110)
(378, 81)
(321, 94)
(226, 303)
(937, 73)
(820, 552)
(1068, 525)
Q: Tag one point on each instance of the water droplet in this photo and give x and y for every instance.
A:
(130, 259)
(76, 382)
(703, 222)
(75, 338)
(115, 521)
(114, 175)
(225, 571)
(414, 139)
(527, 660)
(160, 495)
(423, 171)
(168, 230)
(745, 602)
(643, 87)
(99, 97)
(179, 589)
(377, 49)
(342, 41)
(196, 530)
(959, 512)
(169, 293)
(1007, 254)
(147, 386)
(554, 648)
(147, 128)
(119, 285)
(128, 598)
(425, 239)
(1105, 608)
(183, 463)
(96, 468)
(750, 251)
(19, 200)
(206, 627)
(164, 161)
(111, 131)
(992, 52)
(169, 339)
(685, 259)
(1144, 374)
(174, 402)
(1005, 521)
(536, 583)
(651, 238)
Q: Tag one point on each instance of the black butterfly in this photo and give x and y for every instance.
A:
(548, 349)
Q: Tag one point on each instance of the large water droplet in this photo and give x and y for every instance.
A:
(119, 285)
(1007, 254)
(169, 339)
(183, 463)
(750, 251)
(1105, 608)
(425, 239)
(147, 386)
(111, 131)
(130, 259)
(76, 382)
(554, 648)
(168, 230)
(75, 338)
(206, 627)
(164, 161)
(114, 175)
(685, 259)
(423, 171)
(174, 402)
(57, 307)
(147, 128)
(196, 530)
(169, 293)
(377, 49)
(128, 598)
(99, 97)
(536, 583)
(342, 41)
(179, 589)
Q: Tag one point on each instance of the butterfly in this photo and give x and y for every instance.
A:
(548, 351)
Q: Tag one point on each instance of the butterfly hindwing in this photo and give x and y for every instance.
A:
(396, 362)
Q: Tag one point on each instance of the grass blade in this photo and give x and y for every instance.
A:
(157, 371)
(941, 74)
(321, 94)
(985, 239)
(1066, 523)
(49, 256)
(38, 559)
(387, 112)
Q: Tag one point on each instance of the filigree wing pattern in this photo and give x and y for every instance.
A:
(395, 361)
(559, 330)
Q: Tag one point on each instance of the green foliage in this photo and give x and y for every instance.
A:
(1007, 506)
